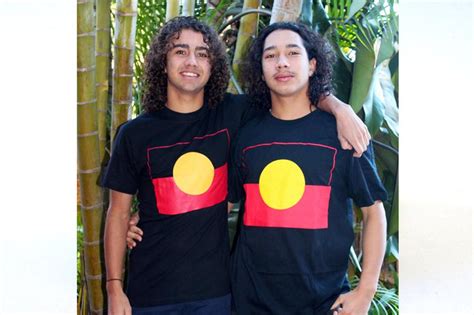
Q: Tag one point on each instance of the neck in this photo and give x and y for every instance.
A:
(184, 102)
(289, 108)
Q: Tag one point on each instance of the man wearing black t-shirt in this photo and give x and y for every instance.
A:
(174, 158)
(297, 186)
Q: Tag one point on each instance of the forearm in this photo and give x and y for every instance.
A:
(330, 104)
(115, 246)
(373, 246)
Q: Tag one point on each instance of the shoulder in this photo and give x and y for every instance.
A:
(134, 127)
(326, 123)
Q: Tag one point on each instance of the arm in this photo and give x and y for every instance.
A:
(373, 245)
(351, 131)
(115, 232)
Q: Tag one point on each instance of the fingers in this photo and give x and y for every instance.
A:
(337, 303)
(134, 218)
(133, 234)
(344, 143)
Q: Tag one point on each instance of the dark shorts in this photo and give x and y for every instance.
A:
(214, 306)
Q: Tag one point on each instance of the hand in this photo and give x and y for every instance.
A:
(118, 303)
(355, 302)
(351, 130)
(134, 233)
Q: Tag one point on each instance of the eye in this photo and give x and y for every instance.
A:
(203, 55)
(180, 52)
(293, 53)
(269, 56)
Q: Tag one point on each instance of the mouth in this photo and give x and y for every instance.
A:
(283, 77)
(189, 74)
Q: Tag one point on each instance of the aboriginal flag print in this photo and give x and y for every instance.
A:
(288, 184)
(189, 175)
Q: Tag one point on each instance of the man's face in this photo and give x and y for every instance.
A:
(188, 64)
(286, 68)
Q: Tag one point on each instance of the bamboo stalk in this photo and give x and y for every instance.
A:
(188, 8)
(102, 55)
(124, 47)
(247, 30)
(286, 10)
(172, 9)
(88, 154)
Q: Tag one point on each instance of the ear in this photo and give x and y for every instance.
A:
(312, 66)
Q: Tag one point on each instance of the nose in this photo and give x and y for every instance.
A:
(191, 60)
(282, 62)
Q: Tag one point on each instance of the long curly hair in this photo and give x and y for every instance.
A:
(320, 83)
(155, 78)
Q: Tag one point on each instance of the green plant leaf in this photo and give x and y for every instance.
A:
(306, 16)
(374, 108)
(391, 252)
(355, 7)
(393, 220)
(363, 72)
(321, 21)
(355, 260)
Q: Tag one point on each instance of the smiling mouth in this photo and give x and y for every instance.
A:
(189, 74)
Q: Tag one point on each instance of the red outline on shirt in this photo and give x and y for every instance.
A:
(181, 143)
(300, 143)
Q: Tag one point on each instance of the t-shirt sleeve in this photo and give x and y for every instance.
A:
(365, 186)
(235, 181)
(120, 174)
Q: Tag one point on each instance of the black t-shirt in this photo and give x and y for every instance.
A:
(177, 165)
(297, 186)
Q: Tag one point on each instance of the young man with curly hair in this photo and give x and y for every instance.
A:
(297, 184)
(174, 158)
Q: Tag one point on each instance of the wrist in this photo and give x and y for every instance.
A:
(114, 286)
(367, 291)
(339, 108)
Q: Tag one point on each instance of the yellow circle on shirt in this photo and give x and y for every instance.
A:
(281, 184)
(193, 173)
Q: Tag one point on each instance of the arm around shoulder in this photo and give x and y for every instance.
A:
(351, 130)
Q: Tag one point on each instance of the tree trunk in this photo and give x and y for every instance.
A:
(88, 154)
(124, 47)
(102, 56)
(172, 9)
(247, 30)
(286, 10)
(188, 8)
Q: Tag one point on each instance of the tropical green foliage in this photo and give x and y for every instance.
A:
(364, 35)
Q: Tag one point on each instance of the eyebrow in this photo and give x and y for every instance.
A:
(287, 46)
(186, 46)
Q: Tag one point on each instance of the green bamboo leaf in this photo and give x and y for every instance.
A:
(355, 7)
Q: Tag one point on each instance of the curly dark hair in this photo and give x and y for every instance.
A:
(320, 83)
(155, 78)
